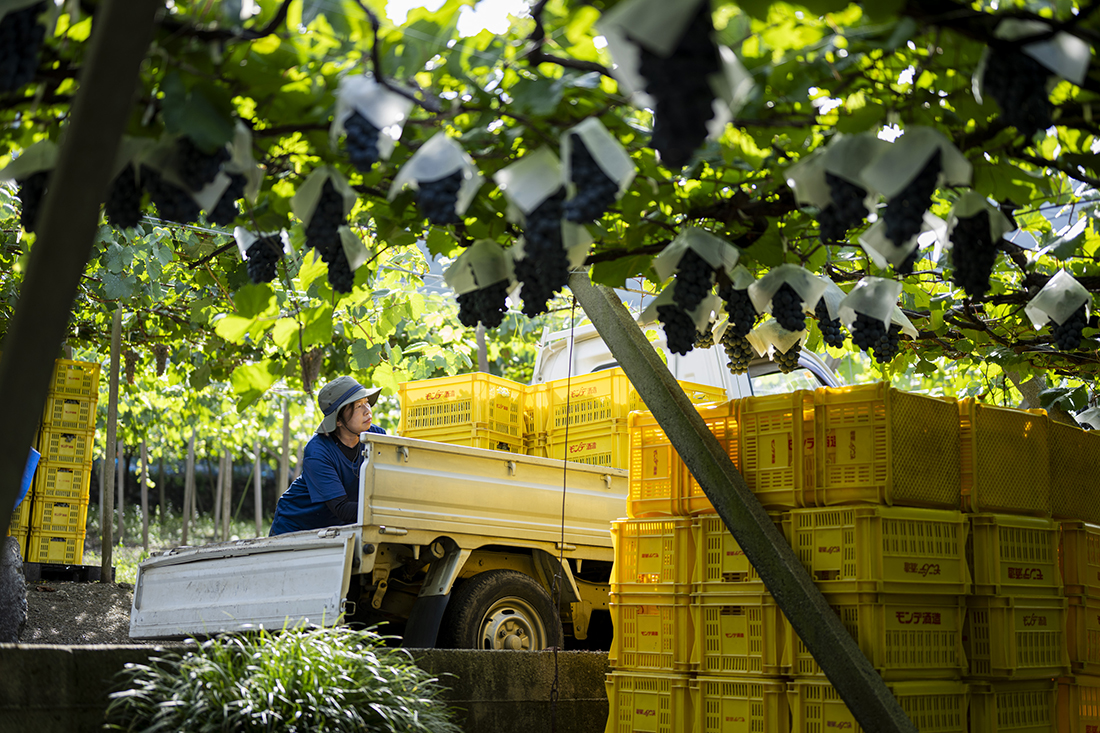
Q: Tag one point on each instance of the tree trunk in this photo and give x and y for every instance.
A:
(189, 487)
(162, 498)
(67, 225)
(256, 495)
(145, 495)
(227, 495)
(218, 494)
(482, 349)
(123, 468)
(301, 457)
(107, 494)
(284, 455)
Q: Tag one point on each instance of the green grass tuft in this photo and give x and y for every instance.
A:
(300, 680)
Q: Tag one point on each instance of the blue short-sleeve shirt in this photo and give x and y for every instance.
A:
(326, 474)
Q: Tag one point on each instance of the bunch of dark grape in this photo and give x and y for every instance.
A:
(195, 166)
(739, 352)
(739, 308)
(263, 258)
(845, 211)
(172, 202)
(788, 360)
(487, 305)
(867, 331)
(123, 205)
(679, 328)
(340, 276)
(1067, 334)
(20, 39)
(595, 190)
(361, 142)
(886, 348)
(544, 268)
(905, 267)
(323, 234)
(1018, 83)
(694, 279)
(787, 308)
(437, 199)
(681, 91)
(31, 191)
(831, 332)
(973, 253)
(904, 213)
(130, 365)
(160, 354)
(226, 210)
(705, 339)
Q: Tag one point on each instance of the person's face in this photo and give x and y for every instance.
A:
(357, 416)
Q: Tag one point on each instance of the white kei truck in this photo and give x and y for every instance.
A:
(454, 546)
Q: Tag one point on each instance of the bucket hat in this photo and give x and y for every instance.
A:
(338, 393)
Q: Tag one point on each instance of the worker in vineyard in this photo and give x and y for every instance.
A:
(326, 492)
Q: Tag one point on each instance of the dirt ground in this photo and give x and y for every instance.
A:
(78, 613)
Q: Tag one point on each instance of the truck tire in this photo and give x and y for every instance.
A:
(501, 609)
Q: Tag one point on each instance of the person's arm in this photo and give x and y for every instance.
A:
(346, 510)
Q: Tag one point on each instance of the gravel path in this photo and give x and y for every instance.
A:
(78, 613)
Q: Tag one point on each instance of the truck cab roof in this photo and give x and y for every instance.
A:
(580, 350)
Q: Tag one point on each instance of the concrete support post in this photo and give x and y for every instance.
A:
(857, 682)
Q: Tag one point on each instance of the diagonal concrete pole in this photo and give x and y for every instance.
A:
(838, 655)
(66, 227)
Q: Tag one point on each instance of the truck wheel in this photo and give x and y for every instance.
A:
(500, 609)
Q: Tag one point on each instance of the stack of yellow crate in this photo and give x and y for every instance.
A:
(1075, 505)
(53, 516)
(866, 484)
(582, 419)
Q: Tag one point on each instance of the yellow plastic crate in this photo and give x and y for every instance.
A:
(1079, 704)
(605, 445)
(1083, 635)
(776, 447)
(51, 516)
(880, 445)
(1014, 555)
(724, 705)
(21, 517)
(73, 448)
(1079, 558)
(474, 436)
(461, 404)
(66, 412)
(75, 378)
(586, 400)
(655, 475)
(1024, 706)
(934, 706)
(881, 549)
(652, 555)
(1005, 460)
(653, 632)
(737, 634)
(904, 636)
(721, 420)
(1074, 466)
(720, 564)
(1009, 637)
(62, 481)
(57, 548)
(654, 703)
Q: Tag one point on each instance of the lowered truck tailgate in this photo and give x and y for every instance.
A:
(271, 582)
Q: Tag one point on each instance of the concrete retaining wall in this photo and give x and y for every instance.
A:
(45, 688)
